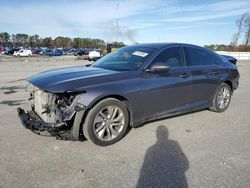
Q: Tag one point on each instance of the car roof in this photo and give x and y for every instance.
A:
(164, 45)
(160, 46)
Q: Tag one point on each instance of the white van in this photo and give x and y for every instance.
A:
(94, 55)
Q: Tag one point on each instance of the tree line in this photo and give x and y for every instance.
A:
(26, 40)
(229, 48)
(243, 30)
(240, 40)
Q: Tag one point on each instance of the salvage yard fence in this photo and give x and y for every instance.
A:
(237, 55)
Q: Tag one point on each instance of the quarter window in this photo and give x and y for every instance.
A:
(171, 56)
(217, 60)
(197, 57)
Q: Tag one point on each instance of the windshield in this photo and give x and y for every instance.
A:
(125, 59)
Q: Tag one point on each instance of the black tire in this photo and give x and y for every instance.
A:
(215, 103)
(88, 126)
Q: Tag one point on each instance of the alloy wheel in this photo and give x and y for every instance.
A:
(108, 123)
(223, 98)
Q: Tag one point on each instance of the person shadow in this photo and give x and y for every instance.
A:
(164, 164)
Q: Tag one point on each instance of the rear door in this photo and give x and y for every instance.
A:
(204, 74)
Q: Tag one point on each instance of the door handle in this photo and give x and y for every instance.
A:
(213, 72)
(183, 75)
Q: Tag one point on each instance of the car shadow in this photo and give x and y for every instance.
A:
(12, 102)
(11, 89)
(164, 163)
(168, 117)
(18, 80)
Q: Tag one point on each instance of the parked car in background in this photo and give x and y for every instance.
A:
(57, 52)
(82, 52)
(76, 52)
(1, 50)
(22, 53)
(65, 51)
(36, 51)
(129, 87)
(48, 52)
(94, 55)
(43, 51)
(52, 52)
(71, 51)
(10, 51)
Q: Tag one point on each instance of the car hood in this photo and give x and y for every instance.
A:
(71, 79)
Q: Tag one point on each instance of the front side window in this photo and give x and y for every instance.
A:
(125, 59)
(197, 57)
(172, 57)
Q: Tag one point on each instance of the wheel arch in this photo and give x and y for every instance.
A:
(218, 86)
(118, 97)
(230, 84)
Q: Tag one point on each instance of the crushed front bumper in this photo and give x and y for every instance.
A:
(30, 120)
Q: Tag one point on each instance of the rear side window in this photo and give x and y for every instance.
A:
(217, 60)
(196, 57)
(171, 57)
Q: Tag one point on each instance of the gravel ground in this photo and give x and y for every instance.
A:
(201, 149)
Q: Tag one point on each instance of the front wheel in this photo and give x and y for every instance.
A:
(221, 98)
(107, 122)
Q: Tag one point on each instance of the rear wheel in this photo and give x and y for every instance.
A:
(107, 122)
(222, 98)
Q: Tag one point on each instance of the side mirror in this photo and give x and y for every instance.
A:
(88, 65)
(158, 67)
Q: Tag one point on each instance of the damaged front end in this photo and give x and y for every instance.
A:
(58, 115)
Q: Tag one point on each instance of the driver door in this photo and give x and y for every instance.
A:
(167, 91)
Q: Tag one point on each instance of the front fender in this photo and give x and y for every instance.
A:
(88, 99)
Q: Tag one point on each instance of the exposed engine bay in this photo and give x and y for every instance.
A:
(51, 114)
(50, 107)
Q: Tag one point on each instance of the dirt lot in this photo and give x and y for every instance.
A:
(202, 149)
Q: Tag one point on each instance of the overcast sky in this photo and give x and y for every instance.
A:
(193, 21)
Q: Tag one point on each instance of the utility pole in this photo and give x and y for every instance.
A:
(116, 22)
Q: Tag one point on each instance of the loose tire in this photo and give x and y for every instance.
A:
(107, 122)
(222, 98)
